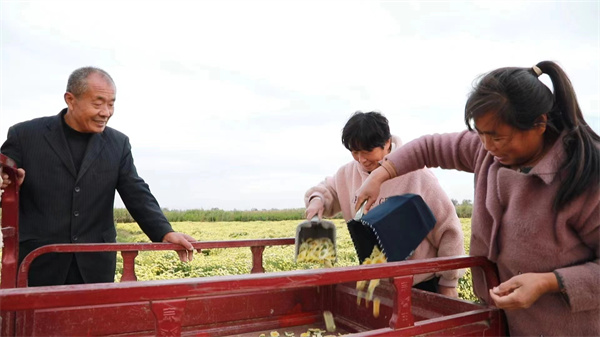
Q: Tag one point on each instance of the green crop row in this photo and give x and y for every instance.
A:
(463, 210)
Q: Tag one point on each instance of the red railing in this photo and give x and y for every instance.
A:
(10, 225)
(14, 275)
(17, 277)
(24, 301)
(94, 294)
(129, 251)
(19, 301)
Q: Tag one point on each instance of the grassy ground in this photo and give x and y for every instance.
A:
(235, 261)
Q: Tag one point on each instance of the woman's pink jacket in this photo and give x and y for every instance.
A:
(515, 226)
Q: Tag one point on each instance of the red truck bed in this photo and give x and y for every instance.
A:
(241, 305)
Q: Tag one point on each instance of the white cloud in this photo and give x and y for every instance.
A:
(240, 104)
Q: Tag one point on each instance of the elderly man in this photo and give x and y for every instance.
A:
(74, 165)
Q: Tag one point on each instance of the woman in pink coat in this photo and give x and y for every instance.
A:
(367, 136)
(537, 197)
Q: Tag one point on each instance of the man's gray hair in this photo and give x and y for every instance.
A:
(77, 83)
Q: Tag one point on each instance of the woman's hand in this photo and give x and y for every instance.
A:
(315, 207)
(370, 189)
(521, 291)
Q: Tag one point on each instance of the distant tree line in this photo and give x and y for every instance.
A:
(216, 214)
(463, 210)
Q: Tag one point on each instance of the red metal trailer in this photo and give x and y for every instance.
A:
(242, 305)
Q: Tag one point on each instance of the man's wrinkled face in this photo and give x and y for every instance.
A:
(90, 112)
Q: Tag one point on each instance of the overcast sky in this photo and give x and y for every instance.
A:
(240, 104)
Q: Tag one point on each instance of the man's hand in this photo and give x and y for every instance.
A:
(315, 207)
(20, 178)
(183, 240)
(521, 291)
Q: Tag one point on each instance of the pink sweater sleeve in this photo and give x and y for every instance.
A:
(449, 151)
(327, 192)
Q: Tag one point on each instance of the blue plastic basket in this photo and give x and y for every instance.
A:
(397, 226)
